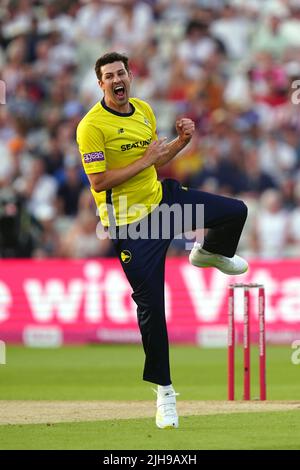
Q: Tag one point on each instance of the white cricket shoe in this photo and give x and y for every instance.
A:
(166, 414)
(203, 259)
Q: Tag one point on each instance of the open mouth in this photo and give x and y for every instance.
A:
(119, 91)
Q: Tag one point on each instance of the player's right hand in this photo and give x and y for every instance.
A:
(157, 150)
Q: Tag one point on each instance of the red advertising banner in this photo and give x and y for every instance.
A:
(48, 303)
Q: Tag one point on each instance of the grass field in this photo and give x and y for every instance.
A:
(106, 381)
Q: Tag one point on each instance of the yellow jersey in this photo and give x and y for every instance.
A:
(109, 140)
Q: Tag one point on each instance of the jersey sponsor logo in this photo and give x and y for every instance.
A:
(126, 256)
(93, 157)
(140, 143)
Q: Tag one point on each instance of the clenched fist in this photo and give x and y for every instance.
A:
(185, 128)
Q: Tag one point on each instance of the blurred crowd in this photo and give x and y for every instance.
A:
(233, 66)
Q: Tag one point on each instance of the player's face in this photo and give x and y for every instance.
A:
(115, 84)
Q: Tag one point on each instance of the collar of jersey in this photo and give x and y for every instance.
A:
(116, 113)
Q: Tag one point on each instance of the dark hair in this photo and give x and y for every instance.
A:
(109, 58)
(196, 25)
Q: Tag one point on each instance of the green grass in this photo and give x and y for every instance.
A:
(277, 430)
(114, 373)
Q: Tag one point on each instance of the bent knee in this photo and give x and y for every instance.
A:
(242, 209)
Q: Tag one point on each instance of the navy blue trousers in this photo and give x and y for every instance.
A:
(143, 261)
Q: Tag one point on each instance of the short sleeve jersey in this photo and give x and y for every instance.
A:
(109, 140)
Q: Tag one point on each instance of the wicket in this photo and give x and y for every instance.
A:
(246, 340)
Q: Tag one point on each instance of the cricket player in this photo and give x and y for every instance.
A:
(120, 153)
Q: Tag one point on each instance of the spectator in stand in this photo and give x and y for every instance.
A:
(291, 25)
(49, 243)
(233, 28)
(227, 64)
(81, 241)
(195, 49)
(134, 25)
(271, 229)
(269, 36)
(295, 224)
(256, 180)
(38, 188)
(277, 158)
(69, 190)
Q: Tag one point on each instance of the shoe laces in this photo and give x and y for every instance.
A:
(173, 394)
(169, 408)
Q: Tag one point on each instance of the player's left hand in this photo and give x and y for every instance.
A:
(185, 128)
